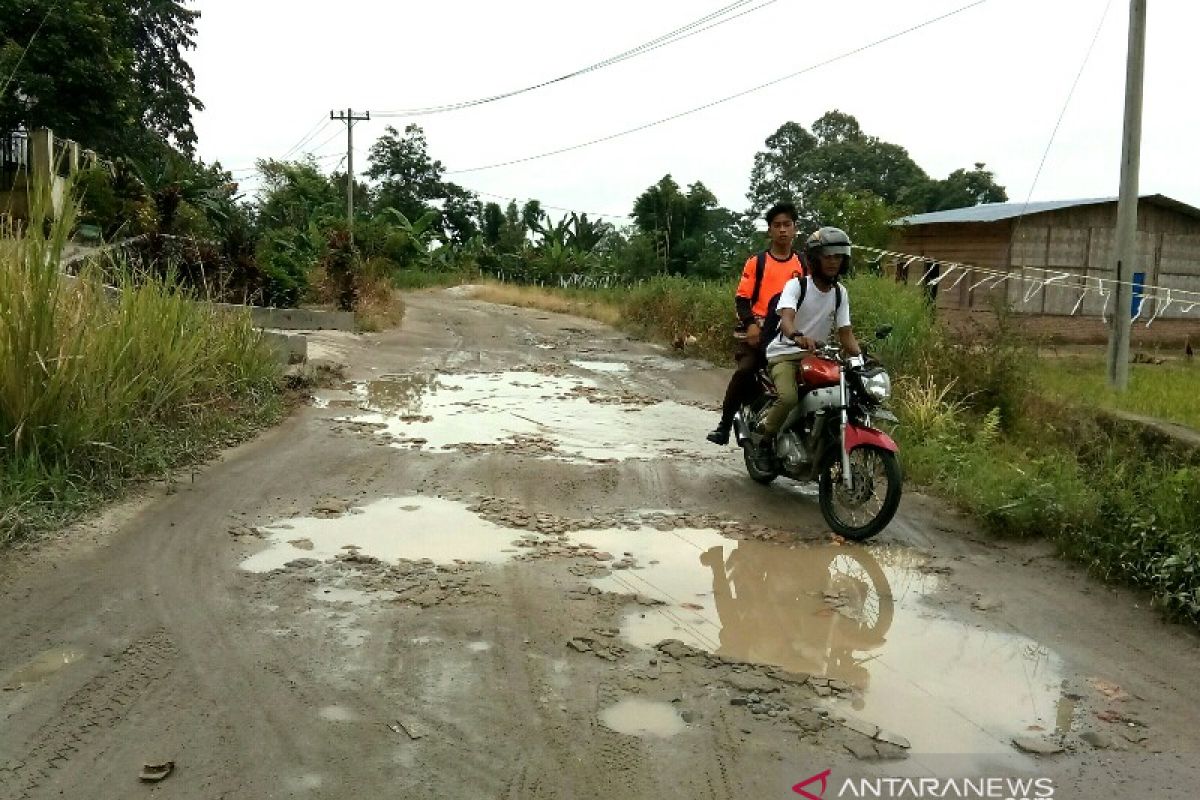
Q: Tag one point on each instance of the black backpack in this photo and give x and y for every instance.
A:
(770, 326)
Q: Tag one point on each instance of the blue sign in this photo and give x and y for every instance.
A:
(1139, 280)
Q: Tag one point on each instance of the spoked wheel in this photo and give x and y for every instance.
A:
(856, 576)
(865, 510)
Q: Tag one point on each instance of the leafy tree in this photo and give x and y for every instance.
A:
(801, 166)
(295, 194)
(112, 76)
(677, 222)
(863, 215)
(963, 188)
(410, 181)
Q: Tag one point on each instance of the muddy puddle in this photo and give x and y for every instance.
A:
(637, 716)
(411, 528)
(40, 668)
(860, 618)
(849, 614)
(564, 417)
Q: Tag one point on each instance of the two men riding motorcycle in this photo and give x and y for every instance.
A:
(810, 305)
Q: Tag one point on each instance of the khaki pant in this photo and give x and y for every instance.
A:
(783, 373)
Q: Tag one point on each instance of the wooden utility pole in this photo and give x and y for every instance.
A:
(348, 116)
(1127, 206)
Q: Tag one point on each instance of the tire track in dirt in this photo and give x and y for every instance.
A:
(93, 711)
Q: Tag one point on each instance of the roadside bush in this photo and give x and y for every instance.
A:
(96, 391)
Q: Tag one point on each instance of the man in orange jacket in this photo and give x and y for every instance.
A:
(763, 277)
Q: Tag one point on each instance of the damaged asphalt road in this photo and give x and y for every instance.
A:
(500, 560)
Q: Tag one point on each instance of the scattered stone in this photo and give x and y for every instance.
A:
(984, 603)
(739, 701)
(302, 544)
(1037, 747)
(602, 556)
(301, 563)
(581, 644)
(745, 682)
(894, 739)
(331, 506)
(867, 729)
(1099, 740)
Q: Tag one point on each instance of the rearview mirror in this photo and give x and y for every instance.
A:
(883, 331)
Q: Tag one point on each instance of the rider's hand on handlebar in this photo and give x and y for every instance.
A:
(806, 342)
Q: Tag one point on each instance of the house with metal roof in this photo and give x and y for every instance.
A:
(1077, 237)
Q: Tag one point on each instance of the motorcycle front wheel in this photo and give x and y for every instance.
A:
(860, 513)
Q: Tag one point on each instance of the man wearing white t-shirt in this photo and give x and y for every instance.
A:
(808, 313)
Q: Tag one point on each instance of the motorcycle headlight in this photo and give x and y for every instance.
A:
(877, 385)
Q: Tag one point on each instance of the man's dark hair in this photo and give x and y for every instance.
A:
(782, 208)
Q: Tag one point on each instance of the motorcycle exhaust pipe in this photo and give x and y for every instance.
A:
(741, 429)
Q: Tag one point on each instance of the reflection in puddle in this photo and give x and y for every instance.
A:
(40, 668)
(637, 717)
(849, 614)
(490, 408)
(406, 527)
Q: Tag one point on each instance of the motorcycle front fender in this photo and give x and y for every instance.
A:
(856, 436)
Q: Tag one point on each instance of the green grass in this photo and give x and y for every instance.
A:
(96, 392)
(1168, 391)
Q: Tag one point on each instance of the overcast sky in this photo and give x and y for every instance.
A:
(985, 85)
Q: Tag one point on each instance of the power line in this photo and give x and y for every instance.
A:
(28, 44)
(1062, 114)
(552, 208)
(726, 99)
(313, 131)
(677, 35)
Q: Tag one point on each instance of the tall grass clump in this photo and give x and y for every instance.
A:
(98, 387)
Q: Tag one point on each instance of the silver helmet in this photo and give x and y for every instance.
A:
(828, 241)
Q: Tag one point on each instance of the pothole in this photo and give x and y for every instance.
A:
(636, 716)
(557, 416)
(857, 621)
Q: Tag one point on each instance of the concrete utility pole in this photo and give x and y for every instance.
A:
(1127, 206)
(349, 118)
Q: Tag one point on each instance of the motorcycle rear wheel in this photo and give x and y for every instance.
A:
(872, 466)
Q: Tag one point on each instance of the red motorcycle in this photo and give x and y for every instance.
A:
(829, 438)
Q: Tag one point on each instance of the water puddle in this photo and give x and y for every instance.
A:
(602, 366)
(40, 668)
(337, 714)
(407, 527)
(848, 614)
(354, 597)
(552, 416)
(635, 716)
(864, 619)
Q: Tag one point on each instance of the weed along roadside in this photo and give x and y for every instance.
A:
(98, 392)
(977, 427)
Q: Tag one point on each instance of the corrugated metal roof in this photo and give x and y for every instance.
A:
(994, 212)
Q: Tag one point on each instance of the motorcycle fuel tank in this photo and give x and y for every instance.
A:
(816, 372)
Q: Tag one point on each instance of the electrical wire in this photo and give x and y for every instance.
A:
(761, 86)
(1062, 114)
(677, 35)
(320, 124)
